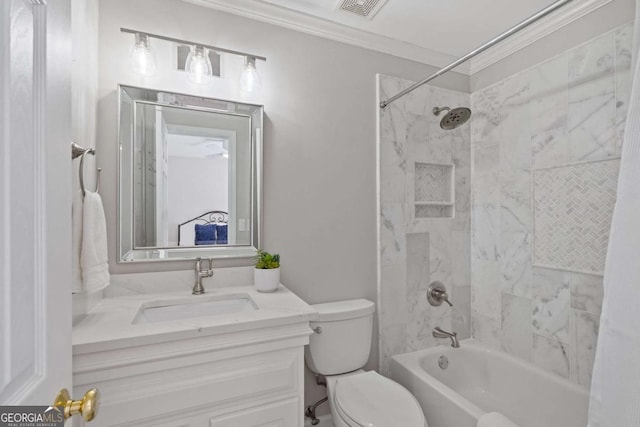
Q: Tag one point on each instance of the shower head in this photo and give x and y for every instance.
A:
(454, 118)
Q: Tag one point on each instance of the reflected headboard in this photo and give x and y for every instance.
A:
(186, 230)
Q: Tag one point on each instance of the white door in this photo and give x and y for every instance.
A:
(35, 201)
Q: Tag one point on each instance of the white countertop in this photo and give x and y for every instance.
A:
(110, 325)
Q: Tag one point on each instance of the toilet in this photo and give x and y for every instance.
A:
(338, 350)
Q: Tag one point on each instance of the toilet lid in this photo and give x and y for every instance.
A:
(371, 400)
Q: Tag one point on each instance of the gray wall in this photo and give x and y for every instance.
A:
(84, 94)
(320, 137)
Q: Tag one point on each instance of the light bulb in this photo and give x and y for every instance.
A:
(250, 79)
(143, 60)
(198, 64)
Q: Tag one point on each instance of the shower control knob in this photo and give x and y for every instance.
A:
(437, 294)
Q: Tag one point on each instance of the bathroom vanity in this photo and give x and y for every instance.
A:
(231, 357)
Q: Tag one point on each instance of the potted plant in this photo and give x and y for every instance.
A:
(267, 272)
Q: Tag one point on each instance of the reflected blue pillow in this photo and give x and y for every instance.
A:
(221, 234)
(206, 234)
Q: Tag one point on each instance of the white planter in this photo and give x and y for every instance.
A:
(266, 280)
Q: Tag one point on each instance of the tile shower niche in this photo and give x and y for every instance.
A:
(434, 191)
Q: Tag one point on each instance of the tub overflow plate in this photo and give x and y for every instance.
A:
(443, 362)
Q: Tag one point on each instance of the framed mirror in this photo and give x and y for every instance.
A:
(189, 176)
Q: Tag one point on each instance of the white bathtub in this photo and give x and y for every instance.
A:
(480, 380)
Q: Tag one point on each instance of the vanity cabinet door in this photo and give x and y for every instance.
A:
(284, 413)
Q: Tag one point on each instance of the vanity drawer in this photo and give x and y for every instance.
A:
(139, 399)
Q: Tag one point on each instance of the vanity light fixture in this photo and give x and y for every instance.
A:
(198, 63)
(143, 59)
(250, 79)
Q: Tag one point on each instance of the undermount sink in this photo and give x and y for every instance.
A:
(192, 307)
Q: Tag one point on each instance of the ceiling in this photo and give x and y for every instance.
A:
(452, 27)
(429, 31)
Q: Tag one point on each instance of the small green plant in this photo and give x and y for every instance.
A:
(267, 261)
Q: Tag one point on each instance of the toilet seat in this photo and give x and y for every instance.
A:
(371, 400)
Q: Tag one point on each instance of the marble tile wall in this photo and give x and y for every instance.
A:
(545, 149)
(413, 252)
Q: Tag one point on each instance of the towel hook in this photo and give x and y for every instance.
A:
(78, 151)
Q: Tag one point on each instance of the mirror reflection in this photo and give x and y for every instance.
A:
(187, 178)
(192, 177)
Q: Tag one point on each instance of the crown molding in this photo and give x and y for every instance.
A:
(546, 26)
(316, 26)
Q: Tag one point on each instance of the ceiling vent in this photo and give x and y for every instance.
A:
(364, 8)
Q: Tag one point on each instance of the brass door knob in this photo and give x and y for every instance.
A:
(87, 407)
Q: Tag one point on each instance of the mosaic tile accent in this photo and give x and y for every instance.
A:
(573, 207)
(433, 183)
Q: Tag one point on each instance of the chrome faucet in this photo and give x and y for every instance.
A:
(198, 289)
(439, 333)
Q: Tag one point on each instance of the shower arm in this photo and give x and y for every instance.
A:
(438, 110)
(544, 12)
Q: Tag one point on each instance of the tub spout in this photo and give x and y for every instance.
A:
(440, 333)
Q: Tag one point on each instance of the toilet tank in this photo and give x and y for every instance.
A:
(344, 343)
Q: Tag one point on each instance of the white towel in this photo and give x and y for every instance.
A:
(495, 419)
(93, 255)
(76, 234)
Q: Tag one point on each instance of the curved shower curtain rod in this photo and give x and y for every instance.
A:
(544, 12)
